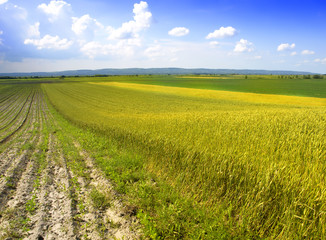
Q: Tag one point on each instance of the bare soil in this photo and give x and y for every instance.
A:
(41, 197)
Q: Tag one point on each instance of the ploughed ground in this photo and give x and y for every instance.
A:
(46, 191)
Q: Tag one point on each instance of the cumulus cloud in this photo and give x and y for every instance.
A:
(179, 31)
(124, 40)
(285, 46)
(50, 42)
(222, 33)
(93, 49)
(131, 29)
(293, 53)
(243, 46)
(3, 1)
(33, 30)
(307, 52)
(85, 25)
(55, 9)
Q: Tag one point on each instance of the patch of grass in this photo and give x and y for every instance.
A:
(31, 205)
(99, 200)
(10, 182)
(18, 224)
(28, 146)
(114, 225)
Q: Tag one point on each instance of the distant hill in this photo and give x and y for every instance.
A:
(154, 71)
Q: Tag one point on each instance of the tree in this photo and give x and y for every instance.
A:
(317, 76)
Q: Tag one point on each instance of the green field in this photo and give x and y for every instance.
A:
(256, 161)
(267, 84)
(193, 157)
(285, 85)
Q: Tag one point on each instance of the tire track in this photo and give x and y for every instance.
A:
(54, 218)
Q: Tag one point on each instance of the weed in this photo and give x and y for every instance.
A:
(31, 205)
(113, 224)
(99, 200)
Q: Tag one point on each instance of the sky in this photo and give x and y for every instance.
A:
(57, 35)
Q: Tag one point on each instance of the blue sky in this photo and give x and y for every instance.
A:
(54, 35)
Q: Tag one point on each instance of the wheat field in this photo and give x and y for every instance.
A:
(256, 159)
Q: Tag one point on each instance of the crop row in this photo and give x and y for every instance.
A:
(49, 187)
(15, 111)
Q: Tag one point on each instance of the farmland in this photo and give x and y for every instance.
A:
(192, 157)
(49, 188)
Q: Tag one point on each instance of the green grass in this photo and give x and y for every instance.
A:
(99, 200)
(254, 162)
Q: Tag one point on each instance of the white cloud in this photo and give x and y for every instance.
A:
(243, 46)
(131, 29)
(55, 9)
(179, 31)
(285, 46)
(318, 60)
(50, 42)
(293, 53)
(154, 51)
(3, 1)
(85, 25)
(257, 57)
(1, 32)
(166, 51)
(33, 30)
(93, 49)
(124, 47)
(307, 52)
(124, 40)
(214, 43)
(15, 12)
(222, 33)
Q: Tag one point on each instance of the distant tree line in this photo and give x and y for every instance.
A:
(308, 76)
(314, 76)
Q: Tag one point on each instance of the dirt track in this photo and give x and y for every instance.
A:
(41, 195)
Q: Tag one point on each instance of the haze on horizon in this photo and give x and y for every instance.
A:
(57, 35)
